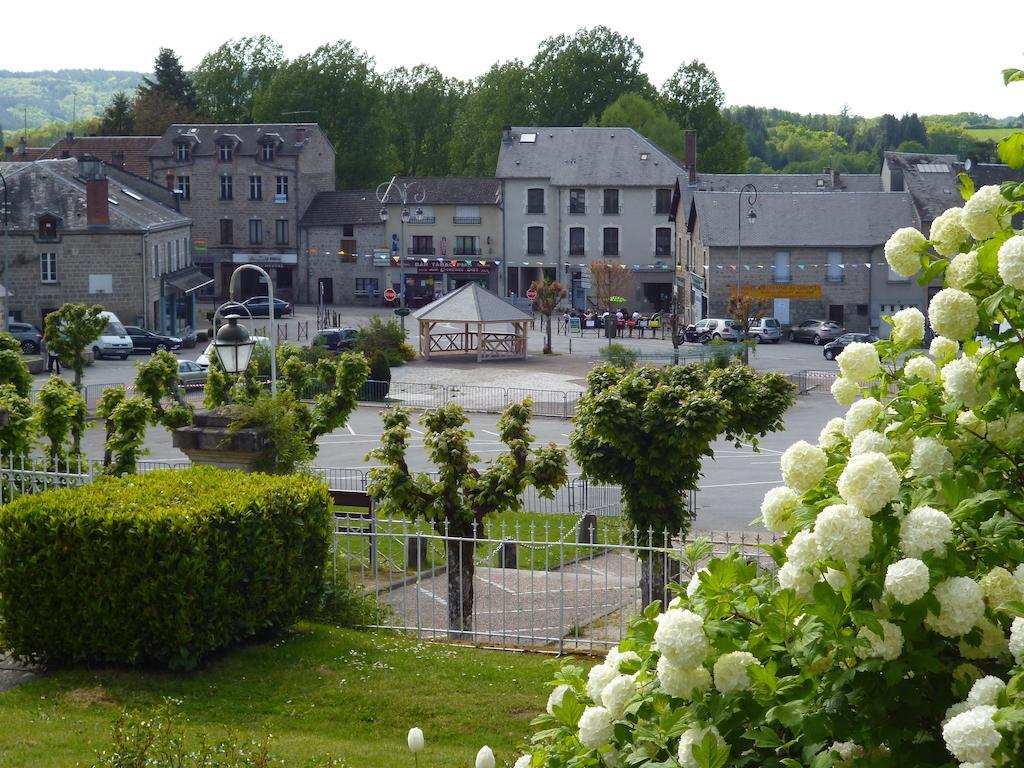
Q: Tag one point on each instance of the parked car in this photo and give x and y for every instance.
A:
(191, 373)
(833, 348)
(765, 329)
(203, 361)
(147, 341)
(259, 306)
(712, 328)
(27, 335)
(114, 339)
(816, 331)
(336, 339)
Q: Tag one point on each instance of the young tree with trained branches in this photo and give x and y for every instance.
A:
(549, 294)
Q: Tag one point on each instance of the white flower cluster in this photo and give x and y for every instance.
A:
(777, 509)
(803, 466)
(800, 580)
(1011, 261)
(972, 736)
(847, 750)
(731, 674)
(693, 736)
(595, 727)
(943, 350)
(960, 380)
(870, 441)
(556, 698)
(1001, 587)
(962, 269)
(948, 232)
(985, 691)
(961, 607)
(602, 674)
(930, 458)
(925, 529)
(859, 362)
(862, 414)
(844, 391)
(985, 213)
(921, 367)
(887, 647)
(680, 637)
(524, 761)
(869, 482)
(832, 434)
(954, 314)
(907, 580)
(903, 251)
(1017, 640)
(680, 682)
(802, 551)
(908, 326)
(1020, 372)
(993, 643)
(617, 694)
(842, 533)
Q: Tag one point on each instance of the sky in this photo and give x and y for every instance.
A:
(872, 56)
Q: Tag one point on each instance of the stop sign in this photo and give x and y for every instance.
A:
(531, 294)
(390, 295)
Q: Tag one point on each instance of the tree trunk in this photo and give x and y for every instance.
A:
(547, 343)
(657, 571)
(461, 569)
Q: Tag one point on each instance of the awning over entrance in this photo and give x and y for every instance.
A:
(188, 279)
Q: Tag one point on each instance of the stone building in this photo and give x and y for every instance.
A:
(76, 236)
(246, 187)
(129, 153)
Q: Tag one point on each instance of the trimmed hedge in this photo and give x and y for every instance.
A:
(163, 567)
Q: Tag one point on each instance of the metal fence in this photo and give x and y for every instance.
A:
(811, 382)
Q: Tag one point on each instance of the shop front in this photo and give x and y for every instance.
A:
(280, 266)
(429, 280)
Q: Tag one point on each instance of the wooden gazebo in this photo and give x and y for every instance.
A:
(472, 319)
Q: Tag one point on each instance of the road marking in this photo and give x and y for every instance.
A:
(490, 433)
(350, 430)
(736, 485)
(417, 431)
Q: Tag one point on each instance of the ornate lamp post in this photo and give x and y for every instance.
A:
(751, 192)
(6, 279)
(418, 195)
(233, 345)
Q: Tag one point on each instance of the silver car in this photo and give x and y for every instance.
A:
(712, 328)
(766, 329)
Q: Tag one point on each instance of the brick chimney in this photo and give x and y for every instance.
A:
(97, 207)
(690, 156)
(506, 135)
(835, 179)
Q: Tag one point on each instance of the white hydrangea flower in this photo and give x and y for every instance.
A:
(680, 636)
(595, 727)
(962, 269)
(844, 391)
(971, 736)
(617, 693)
(985, 213)
(847, 750)
(908, 326)
(693, 736)
(843, 533)
(1020, 372)
(943, 350)
(1018, 574)
(836, 579)
(903, 251)
(731, 674)
(961, 607)
(930, 458)
(556, 698)
(1017, 640)
(1000, 587)
(960, 380)
(803, 466)
(800, 580)
(907, 580)
(832, 434)
(921, 367)
(777, 509)
(1011, 261)
(887, 647)
(618, 658)
(600, 675)
(954, 710)
(948, 232)
(680, 682)
(859, 362)
(993, 643)
(870, 441)
(802, 552)
(954, 314)
(861, 415)
(523, 761)
(925, 529)
(970, 422)
(869, 482)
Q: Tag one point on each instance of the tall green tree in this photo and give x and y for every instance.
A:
(227, 79)
(15, 390)
(170, 79)
(60, 417)
(574, 79)
(421, 105)
(116, 119)
(646, 118)
(497, 98)
(70, 331)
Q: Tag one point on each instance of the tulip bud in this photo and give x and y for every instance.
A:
(415, 740)
(524, 761)
(485, 758)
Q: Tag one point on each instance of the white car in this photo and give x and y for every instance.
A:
(203, 361)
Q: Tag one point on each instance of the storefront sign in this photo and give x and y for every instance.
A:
(265, 258)
(447, 269)
(199, 246)
(780, 291)
(696, 281)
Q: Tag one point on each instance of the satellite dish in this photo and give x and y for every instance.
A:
(968, 164)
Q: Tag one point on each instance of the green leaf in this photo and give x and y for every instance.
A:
(1012, 76)
(1011, 150)
(932, 271)
(966, 186)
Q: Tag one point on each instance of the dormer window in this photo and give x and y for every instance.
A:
(224, 152)
(267, 151)
(47, 227)
(181, 152)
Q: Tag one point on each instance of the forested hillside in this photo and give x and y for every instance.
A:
(39, 98)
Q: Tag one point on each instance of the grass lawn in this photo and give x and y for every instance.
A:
(989, 134)
(318, 690)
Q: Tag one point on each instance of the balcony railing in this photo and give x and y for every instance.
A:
(424, 220)
(466, 252)
(465, 219)
(421, 250)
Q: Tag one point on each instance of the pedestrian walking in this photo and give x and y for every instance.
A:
(52, 361)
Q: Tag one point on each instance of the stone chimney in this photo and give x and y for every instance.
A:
(97, 206)
(506, 135)
(690, 156)
(21, 146)
(835, 179)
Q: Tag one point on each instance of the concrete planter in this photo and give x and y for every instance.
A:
(209, 440)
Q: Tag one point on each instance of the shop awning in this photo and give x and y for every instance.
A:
(188, 279)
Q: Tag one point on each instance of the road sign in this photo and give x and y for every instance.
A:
(402, 311)
(390, 295)
(531, 294)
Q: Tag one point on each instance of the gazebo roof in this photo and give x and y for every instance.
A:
(471, 304)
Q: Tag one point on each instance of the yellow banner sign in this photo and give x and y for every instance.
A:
(780, 291)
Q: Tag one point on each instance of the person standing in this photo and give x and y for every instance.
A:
(52, 360)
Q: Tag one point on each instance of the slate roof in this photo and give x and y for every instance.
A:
(128, 152)
(54, 186)
(246, 137)
(805, 219)
(471, 304)
(451, 190)
(587, 157)
(331, 209)
(983, 174)
(933, 189)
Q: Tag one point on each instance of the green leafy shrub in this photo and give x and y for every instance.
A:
(343, 605)
(619, 355)
(380, 335)
(408, 351)
(163, 567)
(379, 383)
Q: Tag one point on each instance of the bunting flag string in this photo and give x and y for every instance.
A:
(803, 267)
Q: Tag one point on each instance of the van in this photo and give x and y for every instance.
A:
(114, 340)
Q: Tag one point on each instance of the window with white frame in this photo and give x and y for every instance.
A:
(255, 187)
(184, 186)
(48, 267)
(834, 272)
(226, 187)
(224, 152)
(267, 151)
(281, 231)
(281, 188)
(181, 151)
(782, 272)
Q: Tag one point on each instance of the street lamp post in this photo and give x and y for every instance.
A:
(234, 335)
(418, 196)
(3, 247)
(751, 193)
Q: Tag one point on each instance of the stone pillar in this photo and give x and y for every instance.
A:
(587, 533)
(508, 553)
(209, 441)
(416, 553)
